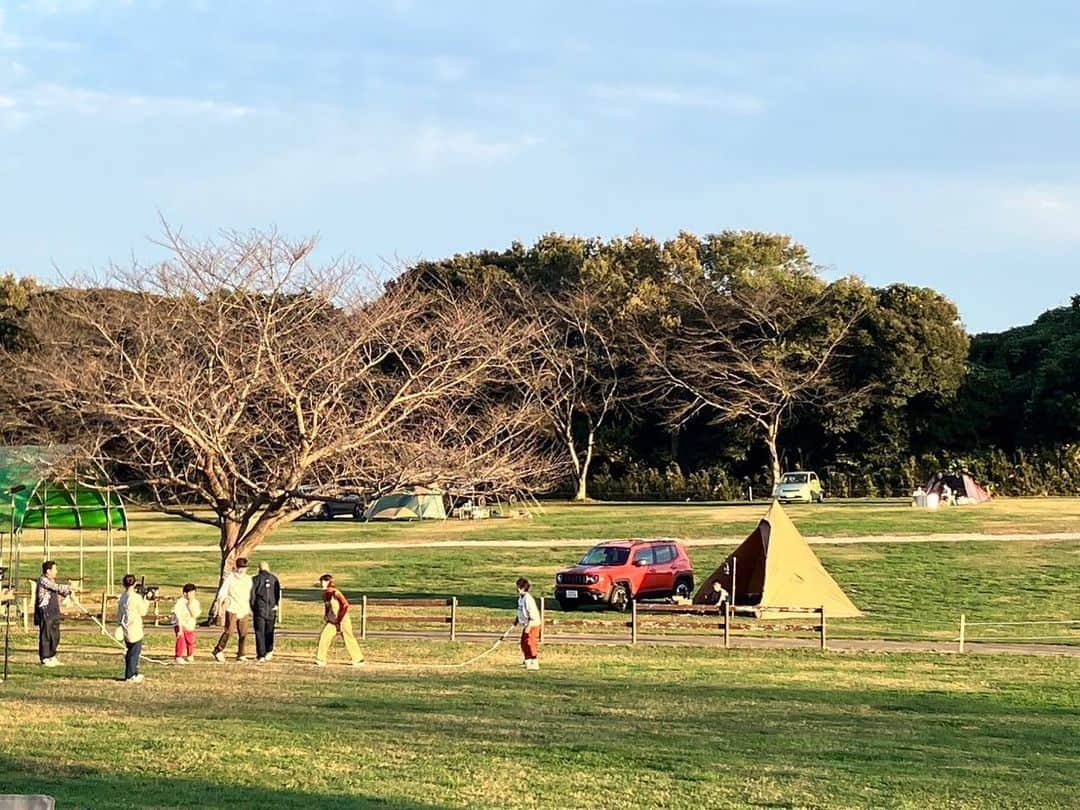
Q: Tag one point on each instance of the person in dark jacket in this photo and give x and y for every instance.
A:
(265, 598)
(47, 613)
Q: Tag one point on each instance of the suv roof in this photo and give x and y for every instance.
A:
(636, 542)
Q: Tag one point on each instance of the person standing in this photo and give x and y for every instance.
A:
(185, 615)
(528, 616)
(337, 622)
(265, 598)
(234, 600)
(130, 609)
(47, 613)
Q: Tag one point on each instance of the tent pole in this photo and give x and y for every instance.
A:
(108, 547)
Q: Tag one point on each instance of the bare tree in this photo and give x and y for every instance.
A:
(750, 348)
(574, 372)
(237, 371)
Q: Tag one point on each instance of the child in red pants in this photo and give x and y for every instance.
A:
(185, 612)
(528, 616)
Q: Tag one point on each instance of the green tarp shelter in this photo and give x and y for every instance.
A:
(40, 489)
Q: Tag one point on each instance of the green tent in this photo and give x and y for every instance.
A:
(416, 505)
(40, 489)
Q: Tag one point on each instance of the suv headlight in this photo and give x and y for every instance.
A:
(558, 578)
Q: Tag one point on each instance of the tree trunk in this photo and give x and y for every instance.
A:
(583, 470)
(772, 433)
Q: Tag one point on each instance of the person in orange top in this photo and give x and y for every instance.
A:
(336, 616)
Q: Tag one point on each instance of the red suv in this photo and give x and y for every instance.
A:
(616, 572)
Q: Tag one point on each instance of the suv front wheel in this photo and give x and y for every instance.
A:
(619, 598)
(684, 586)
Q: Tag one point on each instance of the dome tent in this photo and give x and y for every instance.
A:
(413, 504)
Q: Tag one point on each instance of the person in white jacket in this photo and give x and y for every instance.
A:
(234, 600)
(185, 615)
(130, 609)
(528, 616)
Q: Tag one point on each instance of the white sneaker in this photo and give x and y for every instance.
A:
(532, 663)
(190, 659)
(56, 662)
(136, 679)
(319, 663)
(269, 655)
(180, 660)
(359, 663)
(219, 657)
(260, 660)
(50, 662)
(242, 659)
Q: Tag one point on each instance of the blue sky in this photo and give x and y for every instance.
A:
(926, 142)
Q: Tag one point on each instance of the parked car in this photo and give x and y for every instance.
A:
(612, 574)
(326, 508)
(803, 486)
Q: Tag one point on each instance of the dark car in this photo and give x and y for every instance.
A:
(327, 508)
(612, 574)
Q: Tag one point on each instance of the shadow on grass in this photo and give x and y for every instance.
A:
(80, 787)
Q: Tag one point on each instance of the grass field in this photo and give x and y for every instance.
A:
(595, 727)
(566, 521)
(608, 725)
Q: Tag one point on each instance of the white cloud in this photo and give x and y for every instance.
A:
(668, 96)
(54, 98)
(434, 145)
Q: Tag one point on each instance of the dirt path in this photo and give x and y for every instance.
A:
(959, 537)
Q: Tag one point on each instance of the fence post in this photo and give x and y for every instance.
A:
(963, 622)
(727, 625)
(453, 618)
(26, 614)
(104, 603)
(823, 642)
(363, 617)
(633, 621)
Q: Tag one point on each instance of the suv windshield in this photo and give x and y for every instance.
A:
(605, 555)
(794, 478)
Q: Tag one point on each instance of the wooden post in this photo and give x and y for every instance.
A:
(823, 641)
(26, 614)
(633, 621)
(453, 618)
(104, 605)
(963, 623)
(363, 617)
(726, 607)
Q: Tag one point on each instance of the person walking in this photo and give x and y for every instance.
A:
(234, 600)
(265, 598)
(337, 622)
(130, 609)
(185, 615)
(47, 613)
(528, 616)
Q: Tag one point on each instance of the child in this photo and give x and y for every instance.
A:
(130, 610)
(336, 616)
(528, 616)
(185, 612)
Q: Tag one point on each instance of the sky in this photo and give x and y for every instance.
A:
(930, 143)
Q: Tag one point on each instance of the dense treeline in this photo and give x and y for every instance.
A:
(630, 368)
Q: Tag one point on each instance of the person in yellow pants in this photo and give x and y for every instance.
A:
(336, 616)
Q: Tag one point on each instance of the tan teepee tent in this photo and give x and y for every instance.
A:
(775, 567)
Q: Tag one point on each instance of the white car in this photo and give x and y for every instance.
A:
(801, 486)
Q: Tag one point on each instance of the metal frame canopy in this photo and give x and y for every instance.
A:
(45, 488)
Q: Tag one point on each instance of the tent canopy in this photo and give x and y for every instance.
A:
(961, 484)
(50, 496)
(417, 505)
(775, 568)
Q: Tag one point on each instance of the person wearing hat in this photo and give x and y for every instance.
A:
(265, 598)
(234, 600)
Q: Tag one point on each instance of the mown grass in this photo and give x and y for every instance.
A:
(586, 522)
(643, 727)
(913, 590)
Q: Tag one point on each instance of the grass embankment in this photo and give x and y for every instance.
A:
(586, 522)
(632, 727)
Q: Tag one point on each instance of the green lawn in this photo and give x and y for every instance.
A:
(565, 521)
(606, 727)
